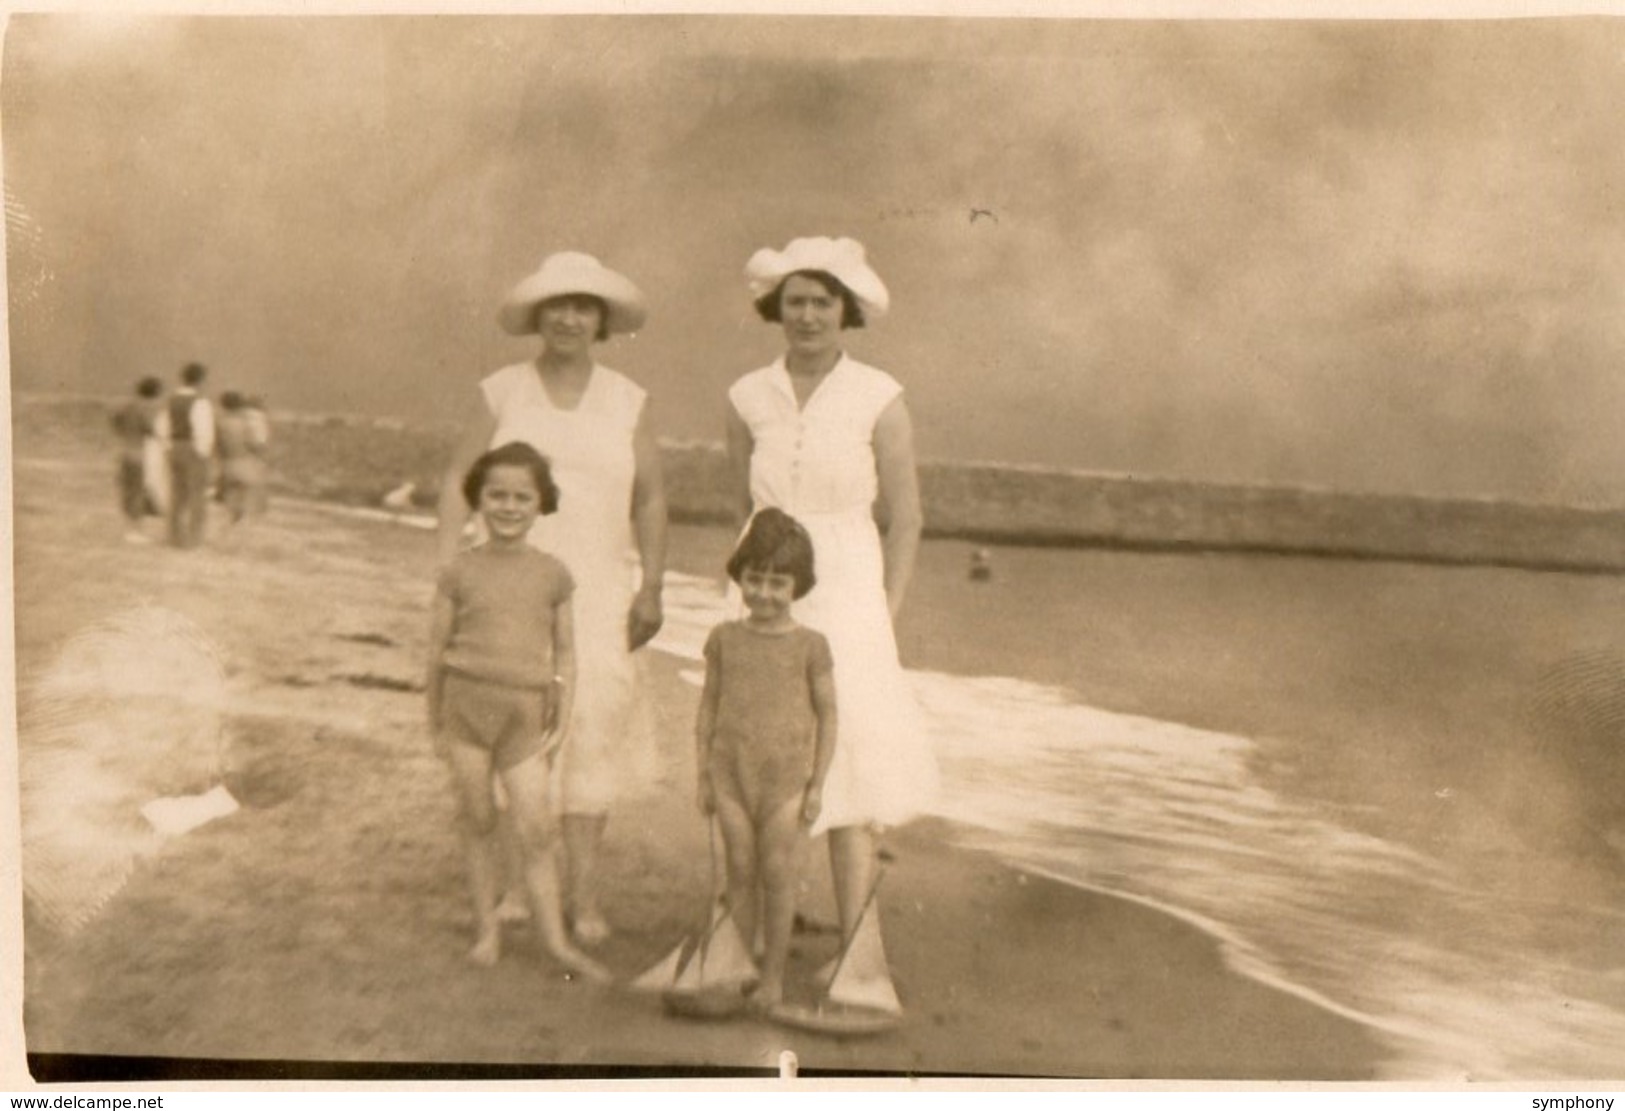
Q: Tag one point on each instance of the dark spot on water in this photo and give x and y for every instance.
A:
(295, 681)
(367, 638)
(370, 681)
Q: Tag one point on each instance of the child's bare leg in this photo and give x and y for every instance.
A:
(514, 905)
(583, 841)
(740, 849)
(526, 785)
(476, 823)
(778, 850)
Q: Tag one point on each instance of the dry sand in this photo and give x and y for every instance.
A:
(320, 931)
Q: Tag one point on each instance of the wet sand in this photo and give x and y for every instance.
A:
(324, 925)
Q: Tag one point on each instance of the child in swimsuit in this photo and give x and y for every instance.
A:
(766, 734)
(501, 667)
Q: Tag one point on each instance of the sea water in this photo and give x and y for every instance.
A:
(1465, 979)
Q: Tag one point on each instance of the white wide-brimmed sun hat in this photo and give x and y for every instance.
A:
(842, 259)
(573, 272)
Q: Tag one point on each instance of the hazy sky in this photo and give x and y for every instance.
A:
(1383, 256)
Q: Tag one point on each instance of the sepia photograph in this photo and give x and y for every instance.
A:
(1170, 469)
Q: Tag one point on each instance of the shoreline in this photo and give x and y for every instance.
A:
(1133, 993)
(1230, 951)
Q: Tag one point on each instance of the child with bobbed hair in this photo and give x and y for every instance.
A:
(500, 683)
(765, 735)
(516, 453)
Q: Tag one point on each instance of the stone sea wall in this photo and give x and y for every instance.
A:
(362, 461)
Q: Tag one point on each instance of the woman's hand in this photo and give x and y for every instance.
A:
(812, 804)
(644, 619)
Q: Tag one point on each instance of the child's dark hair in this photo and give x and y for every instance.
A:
(516, 453)
(769, 308)
(193, 374)
(776, 542)
(149, 387)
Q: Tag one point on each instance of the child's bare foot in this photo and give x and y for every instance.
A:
(487, 949)
(590, 928)
(766, 997)
(806, 924)
(512, 908)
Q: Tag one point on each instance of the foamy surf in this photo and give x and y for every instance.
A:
(1175, 818)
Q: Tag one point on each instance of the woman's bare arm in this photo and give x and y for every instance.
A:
(478, 428)
(649, 523)
(740, 446)
(899, 479)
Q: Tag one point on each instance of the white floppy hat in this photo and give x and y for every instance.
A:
(573, 272)
(842, 259)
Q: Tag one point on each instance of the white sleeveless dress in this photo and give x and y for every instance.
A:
(609, 753)
(817, 464)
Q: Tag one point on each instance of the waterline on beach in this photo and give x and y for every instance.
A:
(1175, 818)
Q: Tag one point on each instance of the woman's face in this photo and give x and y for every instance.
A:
(811, 315)
(570, 322)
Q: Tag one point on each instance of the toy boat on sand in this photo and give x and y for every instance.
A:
(859, 999)
(708, 976)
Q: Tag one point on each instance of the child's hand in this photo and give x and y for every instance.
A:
(552, 741)
(552, 697)
(707, 795)
(812, 804)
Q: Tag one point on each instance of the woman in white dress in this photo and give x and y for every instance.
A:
(610, 530)
(823, 437)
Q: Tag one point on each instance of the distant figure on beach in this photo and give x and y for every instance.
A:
(259, 421)
(243, 468)
(822, 436)
(186, 428)
(765, 736)
(259, 429)
(141, 485)
(501, 684)
(592, 423)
